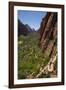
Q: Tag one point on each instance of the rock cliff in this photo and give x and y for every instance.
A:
(48, 34)
(48, 41)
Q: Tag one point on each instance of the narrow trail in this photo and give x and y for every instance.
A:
(48, 68)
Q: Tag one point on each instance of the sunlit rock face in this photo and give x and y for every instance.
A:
(48, 43)
(48, 34)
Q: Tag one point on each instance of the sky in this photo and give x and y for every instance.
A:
(32, 18)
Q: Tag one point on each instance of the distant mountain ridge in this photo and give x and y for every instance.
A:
(24, 29)
(28, 27)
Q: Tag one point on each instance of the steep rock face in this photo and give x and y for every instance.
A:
(48, 44)
(48, 34)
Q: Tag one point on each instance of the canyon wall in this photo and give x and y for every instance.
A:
(48, 43)
(48, 34)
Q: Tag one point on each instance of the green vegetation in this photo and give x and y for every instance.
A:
(30, 56)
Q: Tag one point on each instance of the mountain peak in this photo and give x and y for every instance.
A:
(24, 29)
(29, 28)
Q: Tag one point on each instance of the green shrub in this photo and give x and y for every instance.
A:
(30, 56)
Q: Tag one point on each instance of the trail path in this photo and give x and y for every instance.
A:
(48, 68)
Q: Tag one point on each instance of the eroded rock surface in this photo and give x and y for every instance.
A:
(48, 41)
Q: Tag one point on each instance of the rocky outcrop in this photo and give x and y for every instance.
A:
(48, 34)
(48, 43)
